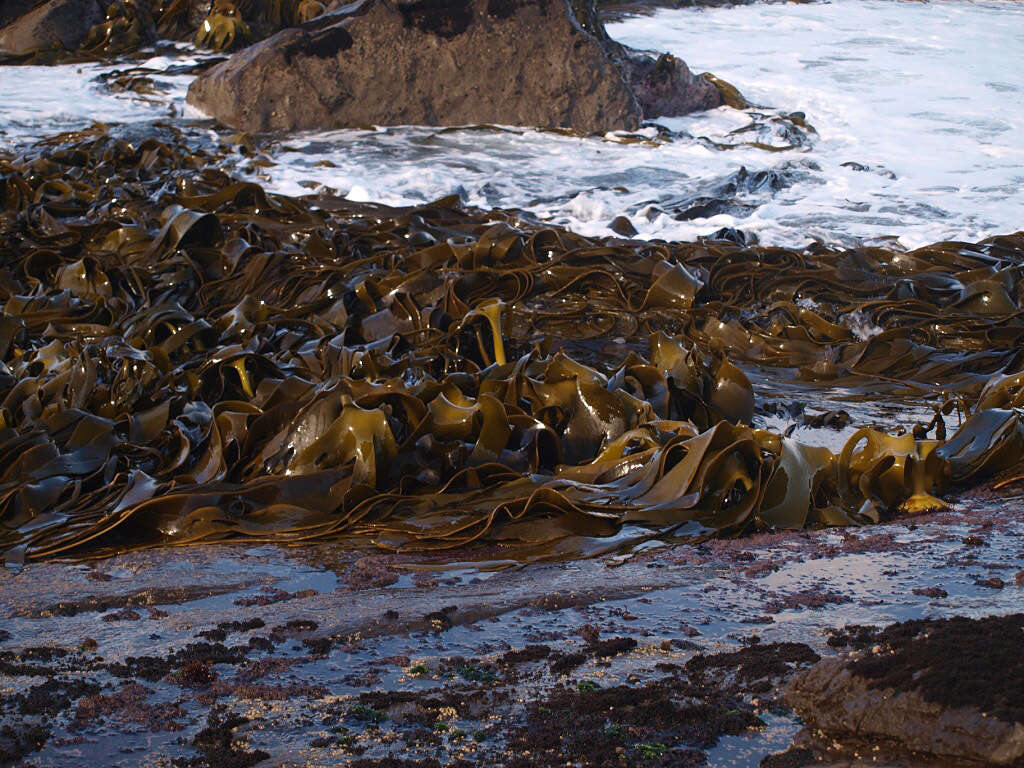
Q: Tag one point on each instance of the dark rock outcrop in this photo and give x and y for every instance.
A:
(665, 87)
(542, 63)
(198, 11)
(77, 31)
(841, 705)
(663, 84)
(56, 24)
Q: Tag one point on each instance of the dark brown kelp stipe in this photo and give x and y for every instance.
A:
(184, 358)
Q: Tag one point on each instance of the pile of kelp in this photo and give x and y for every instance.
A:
(185, 357)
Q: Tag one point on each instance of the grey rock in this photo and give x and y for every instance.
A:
(434, 62)
(53, 24)
(836, 705)
(665, 87)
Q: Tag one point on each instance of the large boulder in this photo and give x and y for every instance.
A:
(838, 704)
(58, 23)
(436, 62)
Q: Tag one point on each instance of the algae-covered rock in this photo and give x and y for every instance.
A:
(429, 62)
(947, 689)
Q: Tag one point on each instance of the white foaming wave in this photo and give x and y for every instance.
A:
(891, 159)
(40, 101)
(917, 108)
(895, 85)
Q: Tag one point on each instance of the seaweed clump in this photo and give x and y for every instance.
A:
(664, 722)
(185, 357)
(218, 25)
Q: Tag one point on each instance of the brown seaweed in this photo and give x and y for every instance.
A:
(186, 357)
(128, 25)
(224, 29)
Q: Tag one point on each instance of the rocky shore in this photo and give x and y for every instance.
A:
(717, 655)
(374, 63)
(300, 480)
(945, 690)
(660, 651)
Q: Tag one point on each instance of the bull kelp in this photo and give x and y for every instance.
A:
(188, 358)
(131, 25)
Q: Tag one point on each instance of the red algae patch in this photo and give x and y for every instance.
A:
(370, 571)
(128, 705)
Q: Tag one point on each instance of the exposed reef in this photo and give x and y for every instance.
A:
(948, 691)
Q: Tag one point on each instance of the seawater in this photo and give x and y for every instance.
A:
(918, 112)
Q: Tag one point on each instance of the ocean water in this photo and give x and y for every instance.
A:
(37, 101)
(912, 131)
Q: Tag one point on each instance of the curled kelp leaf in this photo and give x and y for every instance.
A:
(223, 29)
(989, 442)
(802, 482)
(491, 312)
(879, 472)
(185, 357)
(1006, 391)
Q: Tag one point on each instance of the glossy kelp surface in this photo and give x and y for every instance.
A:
(185, 357)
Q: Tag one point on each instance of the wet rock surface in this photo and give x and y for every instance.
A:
(13, 9)
(57, 23)
(518, 62)
(643, 660)
(665, 87)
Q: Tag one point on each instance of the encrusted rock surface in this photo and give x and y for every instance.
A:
(900, 693)
(664, 86)
(447, 62)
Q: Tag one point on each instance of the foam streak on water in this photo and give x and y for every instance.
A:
(919, 111)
